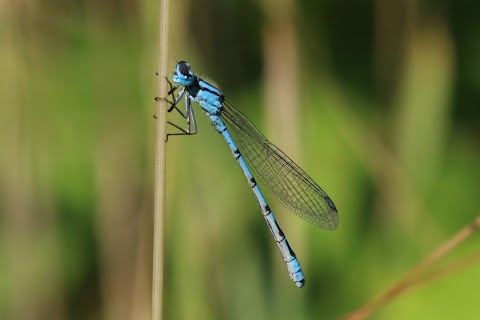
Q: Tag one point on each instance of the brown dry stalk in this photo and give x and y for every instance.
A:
(158, 228)
(414, 276)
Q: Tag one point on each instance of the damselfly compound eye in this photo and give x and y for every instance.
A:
(184, 68)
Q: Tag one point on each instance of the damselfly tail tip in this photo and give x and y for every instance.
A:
(300, 283)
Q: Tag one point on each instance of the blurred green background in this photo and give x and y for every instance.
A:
(377, 100)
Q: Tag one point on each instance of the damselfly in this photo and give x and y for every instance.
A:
(286, 180)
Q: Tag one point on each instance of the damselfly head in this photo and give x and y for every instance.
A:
(182, 74)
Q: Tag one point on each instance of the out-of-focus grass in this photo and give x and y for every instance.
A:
(76, 173)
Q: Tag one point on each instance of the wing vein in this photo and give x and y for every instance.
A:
(286, 180)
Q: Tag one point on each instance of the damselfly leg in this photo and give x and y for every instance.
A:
(189, 115)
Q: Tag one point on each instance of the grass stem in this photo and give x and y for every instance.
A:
(158, 228)
(418, 275)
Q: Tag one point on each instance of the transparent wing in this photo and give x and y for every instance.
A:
(286, 180)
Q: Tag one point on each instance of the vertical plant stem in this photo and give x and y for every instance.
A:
(158, 228)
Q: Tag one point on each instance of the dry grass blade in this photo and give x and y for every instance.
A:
(414, 277)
